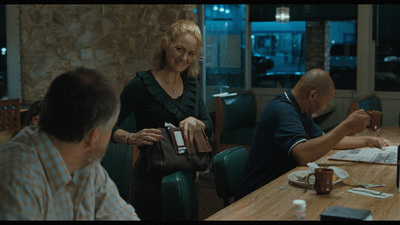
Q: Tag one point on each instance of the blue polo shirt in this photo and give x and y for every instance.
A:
(281, 127)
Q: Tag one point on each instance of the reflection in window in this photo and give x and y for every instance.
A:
(224, 50)
(277, 53)
(343, 54)
(387, 51)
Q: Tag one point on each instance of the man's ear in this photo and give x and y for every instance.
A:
(313, 94)
(92, 137)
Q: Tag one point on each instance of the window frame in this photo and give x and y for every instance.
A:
(13, 36)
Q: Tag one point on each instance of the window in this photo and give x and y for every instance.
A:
(343, 54)
(224, 50)
(325, 34)
(277, 52)
(3, 51)
(387, 47)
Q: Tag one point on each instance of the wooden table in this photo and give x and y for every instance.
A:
(271, 203)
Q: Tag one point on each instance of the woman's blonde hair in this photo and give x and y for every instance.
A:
(176, 30)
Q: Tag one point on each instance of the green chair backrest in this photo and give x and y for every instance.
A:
(373, 103)
(179, 196)
(239, 110)
(118, 160)
(228, 168)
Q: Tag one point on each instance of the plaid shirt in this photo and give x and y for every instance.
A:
(35, 184)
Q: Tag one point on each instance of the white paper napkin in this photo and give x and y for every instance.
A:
(367, 192)
(312, 166)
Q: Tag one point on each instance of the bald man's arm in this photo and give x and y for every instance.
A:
(315, 148)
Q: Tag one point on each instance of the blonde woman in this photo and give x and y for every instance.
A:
(167, 93)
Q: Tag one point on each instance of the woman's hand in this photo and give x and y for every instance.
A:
(188, 125)
(145, 137)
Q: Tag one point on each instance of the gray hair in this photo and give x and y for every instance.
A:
(78, 101)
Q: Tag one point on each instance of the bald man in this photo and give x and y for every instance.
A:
(286, 135)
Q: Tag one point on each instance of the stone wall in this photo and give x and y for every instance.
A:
(116, 39)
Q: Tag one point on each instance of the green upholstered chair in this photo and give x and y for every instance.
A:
(228, 168)
(371, 102)
(118, 160)
(235, 120)
(179, 196)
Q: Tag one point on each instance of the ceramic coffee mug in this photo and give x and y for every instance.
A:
(323, 180)
(376, 117)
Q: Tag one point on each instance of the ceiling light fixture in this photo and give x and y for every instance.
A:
(282, 14)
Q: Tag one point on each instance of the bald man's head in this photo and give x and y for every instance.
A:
(316, 79)
(313, 91)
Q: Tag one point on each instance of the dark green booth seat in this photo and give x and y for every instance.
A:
(239, 136)
(118, 160)
(235, 121)
(228, 168)
(371, 102)
(179, 196)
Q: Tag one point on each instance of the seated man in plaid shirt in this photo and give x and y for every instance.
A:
(53, 172)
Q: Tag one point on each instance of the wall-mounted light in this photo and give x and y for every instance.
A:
(282, 14)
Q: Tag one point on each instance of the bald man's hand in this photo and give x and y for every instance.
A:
(357, 121)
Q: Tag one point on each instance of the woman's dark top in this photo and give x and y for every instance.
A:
(152, 107)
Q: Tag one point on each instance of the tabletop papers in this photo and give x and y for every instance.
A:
(368, 155)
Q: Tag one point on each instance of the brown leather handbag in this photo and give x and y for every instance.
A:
(172, 153)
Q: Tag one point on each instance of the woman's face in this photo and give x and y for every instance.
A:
(180, 54)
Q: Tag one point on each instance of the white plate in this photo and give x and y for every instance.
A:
(294, 180)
